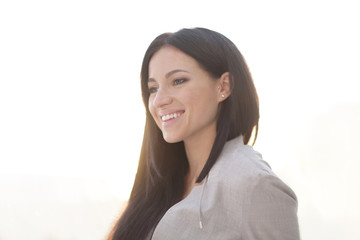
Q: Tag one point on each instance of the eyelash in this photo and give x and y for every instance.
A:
(176, 82)
(152, 90)
(179, 79)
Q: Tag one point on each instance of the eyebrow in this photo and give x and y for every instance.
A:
(169, 74)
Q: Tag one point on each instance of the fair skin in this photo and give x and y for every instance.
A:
(184, 102)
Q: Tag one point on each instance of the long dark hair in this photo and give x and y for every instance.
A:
(159, 181)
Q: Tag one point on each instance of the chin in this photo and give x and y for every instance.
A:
(171, 139)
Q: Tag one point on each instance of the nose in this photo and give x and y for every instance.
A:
(161, 99)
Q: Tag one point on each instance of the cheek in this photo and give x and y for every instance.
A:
(204, 106)
(204, 98)
(151, 109)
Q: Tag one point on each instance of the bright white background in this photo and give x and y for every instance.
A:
(71, 116)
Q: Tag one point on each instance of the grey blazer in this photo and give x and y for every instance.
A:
(240, 199)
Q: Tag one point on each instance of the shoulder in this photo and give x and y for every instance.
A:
(241, 170)
(240, 164)
(266, 206)
(270, 210)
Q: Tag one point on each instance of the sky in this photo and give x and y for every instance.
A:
(70, 101)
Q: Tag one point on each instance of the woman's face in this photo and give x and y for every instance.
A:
(184, 98)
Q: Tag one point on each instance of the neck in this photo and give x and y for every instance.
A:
(197, 150)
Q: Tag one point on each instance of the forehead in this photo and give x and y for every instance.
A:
(169, 58)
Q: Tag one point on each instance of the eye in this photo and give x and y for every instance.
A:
(152, 90)
(179, 81)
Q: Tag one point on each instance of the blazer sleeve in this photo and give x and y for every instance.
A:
(270, 211)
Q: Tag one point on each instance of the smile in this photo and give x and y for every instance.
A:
(171, 116)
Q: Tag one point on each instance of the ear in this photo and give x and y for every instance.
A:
(224, 86)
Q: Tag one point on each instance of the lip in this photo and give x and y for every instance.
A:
(166, 112)
(171, 121)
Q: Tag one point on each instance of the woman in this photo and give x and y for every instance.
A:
(197, 178)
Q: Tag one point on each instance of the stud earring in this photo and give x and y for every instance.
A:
(222, 95)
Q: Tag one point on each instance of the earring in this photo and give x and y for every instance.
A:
(222, 95)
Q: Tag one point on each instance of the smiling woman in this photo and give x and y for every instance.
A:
(197, 178)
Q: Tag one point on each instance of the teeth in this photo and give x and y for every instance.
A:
(170, 116)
